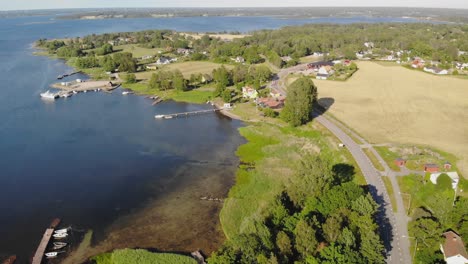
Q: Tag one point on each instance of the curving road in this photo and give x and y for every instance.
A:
(393, 226)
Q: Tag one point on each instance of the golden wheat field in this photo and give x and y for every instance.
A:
(399, 105)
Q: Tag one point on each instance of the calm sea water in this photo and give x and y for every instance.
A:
(89, 159)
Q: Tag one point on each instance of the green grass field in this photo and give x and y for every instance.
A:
(389, 157)
(137, 51)
(141, 256)
(187, 68)
(192, 96)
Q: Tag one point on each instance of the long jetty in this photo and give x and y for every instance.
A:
(184, 114)
(37, 259)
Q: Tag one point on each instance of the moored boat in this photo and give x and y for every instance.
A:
(51, 254)
(168, 117)
(63, 230)
(65, 95)
(159, 116)
(49, 95)
(59, 245)
(60, 235)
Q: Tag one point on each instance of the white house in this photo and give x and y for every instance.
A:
(435, 70)
(453, 175)
(248, 92)
(147, 57)
(322, 74)
(454, 249)
(165, 60)
(238, 59)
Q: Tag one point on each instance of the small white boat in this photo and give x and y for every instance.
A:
(84, 91)
(49, 95)
(75, 92)
(159, 116)
(126, 92)
(168, 117)
(60, 231)
(65, 95)
(51, 254)
(60, 235)
(59, 245)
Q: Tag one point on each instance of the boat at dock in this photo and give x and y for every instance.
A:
(168, 117)
(65, 95)
(49, 95)
(159, 116)
(60, 231)
(51, 254)
(60, 235)
(59, 245)
(37, 259)
(127, 92)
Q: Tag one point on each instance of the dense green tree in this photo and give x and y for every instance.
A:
(130, 78)
(283, 242)
(302, 95)
(178, 81)
(221, 77)
(306, 243)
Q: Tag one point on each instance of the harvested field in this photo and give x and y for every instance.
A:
(137, 51)
(395, 104)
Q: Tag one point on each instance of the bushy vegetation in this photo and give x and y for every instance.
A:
(311, 212)
(434, 211)
(141, 256)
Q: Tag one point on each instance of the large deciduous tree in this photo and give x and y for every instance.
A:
(302, 94)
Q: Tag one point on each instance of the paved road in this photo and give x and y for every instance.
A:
(393, 226)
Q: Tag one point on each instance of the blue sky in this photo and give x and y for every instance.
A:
(47, 4)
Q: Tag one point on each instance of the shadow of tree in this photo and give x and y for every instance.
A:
(385, 227)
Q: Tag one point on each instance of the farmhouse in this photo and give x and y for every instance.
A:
(400, 162)
(249, 92)
(317, 65)
(323, 73)
(431, 168)
(272, 103)
(454, 249)
(165, 60)
(453, 175)
(435, 70)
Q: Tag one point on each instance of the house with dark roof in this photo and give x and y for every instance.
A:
(454, 249)
(435, 70)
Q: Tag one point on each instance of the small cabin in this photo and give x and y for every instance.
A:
(447, 165)
(400, 162)
(431, 168)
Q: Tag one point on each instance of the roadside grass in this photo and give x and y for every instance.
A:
(391, 193)
(268, 161)
(141, 256)
(373, 159)
(389, 157)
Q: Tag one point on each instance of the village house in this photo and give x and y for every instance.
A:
(317, 54)
(165, 60)
(418, 63)
(431, 168)
(152, 66)
(400, 162)
(435, 70)
(453, 175)
(275, 94)
(249, 92)
(147, 57)
(184, 52)
(454, 249)
(269, 102)
(238, 59)
(324, 73)
(286, 58)
(461, 66)
(317, 65)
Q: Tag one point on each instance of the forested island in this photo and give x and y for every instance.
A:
(315, 207)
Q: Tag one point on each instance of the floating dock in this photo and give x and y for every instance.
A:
(37, 259)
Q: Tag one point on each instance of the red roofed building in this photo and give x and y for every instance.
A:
(431, 168)
(400, 162)
(454, 249)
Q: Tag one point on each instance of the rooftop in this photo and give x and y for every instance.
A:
(453, 245)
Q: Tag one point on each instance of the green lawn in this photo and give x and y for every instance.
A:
(391, 193)
(187, 68)
(192, 96)
(137, 51)
(141, 256)
(389, 157)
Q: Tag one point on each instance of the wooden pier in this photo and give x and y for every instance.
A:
(185, 114)
(37, 259)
